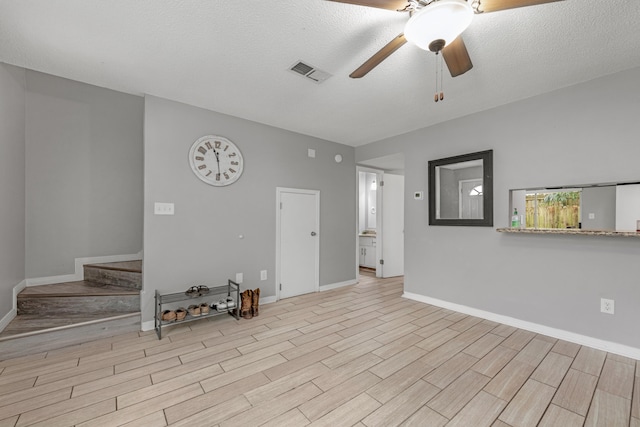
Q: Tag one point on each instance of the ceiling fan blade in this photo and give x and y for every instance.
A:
(496, 5)
(457, 58)
(380, 4)
(379, 56)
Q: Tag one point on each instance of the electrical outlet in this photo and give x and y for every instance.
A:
(238, 278)
(263, 274)
(607, 305)
(163, 208)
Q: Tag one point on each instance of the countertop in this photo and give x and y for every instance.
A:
(572, 231)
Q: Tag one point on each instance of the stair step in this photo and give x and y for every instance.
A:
(80, 288)
(77, 298)
(125, 274)
(16, 340)
(130, 266)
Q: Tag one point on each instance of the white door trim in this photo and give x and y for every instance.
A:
(379, 177)
(316, 193)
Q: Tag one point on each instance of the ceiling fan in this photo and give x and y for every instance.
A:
(435, 25)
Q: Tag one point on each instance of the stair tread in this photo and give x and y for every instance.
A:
(130, 266)
(70, 289)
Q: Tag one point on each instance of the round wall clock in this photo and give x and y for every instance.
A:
(216, 160)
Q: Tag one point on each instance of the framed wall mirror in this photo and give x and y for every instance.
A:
(461, 190)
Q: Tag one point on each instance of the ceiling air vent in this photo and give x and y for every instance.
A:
(310, 72)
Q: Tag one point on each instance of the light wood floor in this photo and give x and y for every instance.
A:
(359, 355)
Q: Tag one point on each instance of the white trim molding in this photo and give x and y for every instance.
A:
(14, 311)
(148, 325)
(611, 347)
(337, 285)
(268, 300)
(79, 270)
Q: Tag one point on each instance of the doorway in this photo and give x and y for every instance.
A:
(297, 242)
(381, 192)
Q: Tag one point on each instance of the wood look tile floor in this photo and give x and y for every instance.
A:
(360, 355)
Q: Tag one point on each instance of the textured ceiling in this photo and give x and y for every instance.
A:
(233, 57)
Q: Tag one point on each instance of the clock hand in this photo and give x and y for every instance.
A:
(217, 160)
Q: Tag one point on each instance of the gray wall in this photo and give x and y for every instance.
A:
(583, 133)
(600, 201)
(12, 182)
(200, 243)
(84, 158)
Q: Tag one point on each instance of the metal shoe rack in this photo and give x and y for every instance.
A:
(167, 301)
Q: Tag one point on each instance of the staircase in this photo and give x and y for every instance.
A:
(105, 303)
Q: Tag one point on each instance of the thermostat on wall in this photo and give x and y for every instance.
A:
(418, 195)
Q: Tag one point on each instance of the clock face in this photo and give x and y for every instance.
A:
(216, 160)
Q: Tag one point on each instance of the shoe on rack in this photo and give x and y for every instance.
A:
(231, 303)
(192, 292)
(181, 313)
(221, 305)
(194, 310)
(204, 308)
(168, 316)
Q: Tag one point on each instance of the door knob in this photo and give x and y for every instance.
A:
(313, 233)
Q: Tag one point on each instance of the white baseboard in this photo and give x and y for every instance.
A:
(16, 290)
(14, 310)
(7, 319)
(268, 300)
(79, 270)
(611, 347)
(337, 285)
(37, 281)
(148, 326)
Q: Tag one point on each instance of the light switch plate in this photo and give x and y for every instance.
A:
(263, 274)
(163, 208)
(311, 153)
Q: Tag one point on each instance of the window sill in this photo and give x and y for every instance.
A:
(573, 231)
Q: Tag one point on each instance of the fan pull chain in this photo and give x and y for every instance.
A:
(441, 86)
(438, 96)
(435, 97)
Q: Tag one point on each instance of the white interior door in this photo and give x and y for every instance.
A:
(298, 242)
(392, 194)
(470, 204)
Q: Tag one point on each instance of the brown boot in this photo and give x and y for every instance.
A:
(245, 308)
(255, 301)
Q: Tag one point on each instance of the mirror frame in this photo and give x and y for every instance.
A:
(487, 189)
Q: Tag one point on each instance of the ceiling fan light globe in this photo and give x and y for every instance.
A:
(443, 19)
